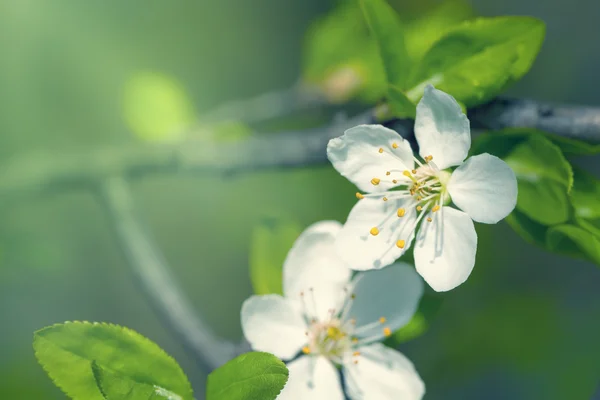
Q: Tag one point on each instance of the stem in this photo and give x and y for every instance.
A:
(153, 274)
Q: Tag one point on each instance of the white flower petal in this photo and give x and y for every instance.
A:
(313, 378)
(484, 187)
(366, 152)
(273, 324)
(392, 293)
(313, 267)
(364, 251)
(382, 373)
(441, 129)
(445, 251)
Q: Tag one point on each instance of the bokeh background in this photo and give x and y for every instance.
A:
(525, 326)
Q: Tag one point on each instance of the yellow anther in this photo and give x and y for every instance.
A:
(429, 219)
(375, 181)
(428, 158)
(412, 192)
(414, 171)
(306, 350)
(385, 198)
(394, 181)
(419, 208)
(387, 172)
(374, 231)
(382, 320)
(400, 243)
(435, 208)
(401, 212)
(419, 198)
(356, 353)
(381, 149)
(359, 195)
(395, 145)
(387, 332)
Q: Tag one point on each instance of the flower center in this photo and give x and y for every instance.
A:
(338, 336)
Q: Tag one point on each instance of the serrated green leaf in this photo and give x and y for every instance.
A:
(477, 59)
(67, 350)
(575, 242)
(270, 243)
(386, 28)
(544, 180)
(251, 376)
(114, 386)
(400, 105)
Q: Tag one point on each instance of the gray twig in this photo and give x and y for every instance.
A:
(153, 274)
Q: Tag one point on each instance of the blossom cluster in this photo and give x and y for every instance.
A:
(330, 321)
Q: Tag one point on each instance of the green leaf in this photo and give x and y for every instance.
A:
(386, 28)
(342, 58)
(531, 231)
(544, 179)
(114, 386)
(423, 30)
(476, 60)
(585, 195)
(400, 105)
(67, 350)
(157, 107)
(574, 242)
(270, 243)
(501, 142)
(251, 376)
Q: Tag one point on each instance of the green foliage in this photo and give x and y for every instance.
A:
(114, 386)
(387, 31)
(271, 240)
(558, 205)
(544, 177)
(476, 60)
(122, 357)
(251, 376)
(156, 107)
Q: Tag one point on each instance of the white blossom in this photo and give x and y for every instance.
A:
(408, 196)
(327, 319)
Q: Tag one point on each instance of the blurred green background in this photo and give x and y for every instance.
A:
(525, 326)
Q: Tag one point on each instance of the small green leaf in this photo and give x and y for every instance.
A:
(575, 242)
(67, 350)
(251, 376)
(386, 28)
(400, 105)
(270, 243)
(544, 179)
(114, 386)
(476, 60)
(157, 107)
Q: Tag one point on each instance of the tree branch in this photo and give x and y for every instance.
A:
(153, 274)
